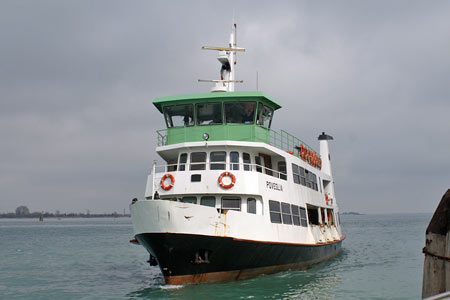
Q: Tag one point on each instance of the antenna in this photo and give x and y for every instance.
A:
(227, 58)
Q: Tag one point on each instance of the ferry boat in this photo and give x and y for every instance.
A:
(234, 199)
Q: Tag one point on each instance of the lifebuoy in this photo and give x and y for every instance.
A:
(163, 184)
(326, 198)
(232, 177)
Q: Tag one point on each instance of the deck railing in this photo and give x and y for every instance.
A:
(282, 140)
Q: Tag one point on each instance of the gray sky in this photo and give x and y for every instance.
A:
(77, 78)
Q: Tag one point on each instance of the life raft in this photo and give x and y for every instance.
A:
(163, 182)
(232, 177)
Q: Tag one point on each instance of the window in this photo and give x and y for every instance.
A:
(209, 113)
(240, 112)
(208, 201)
(179, 115)
(295, 173)
(231, 203)
(282, 169)
(215, 158)
(303, 221)
(295, 215)
(234, 159)
(183, 160)
(247, 162)
(308, 179)
(258, 164)
(265, 114)
(302, 176)
(189, 199)
(275, 212)
(198, 160)
(172, 165)
(251, 205)
(286, 213)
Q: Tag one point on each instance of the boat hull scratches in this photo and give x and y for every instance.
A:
(228, 259)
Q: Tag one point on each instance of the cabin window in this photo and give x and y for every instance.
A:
(295, 173)
(240, 112)
(308, 179)
(183, 160)
(231, 203)
(303, 220)
(234, 160)
(258, 164)
(313, 215)
(189, 199)
(172, 165)
(286, 213)
(217, 160)
(198, 160)
(275, 211)
(295, 215)
(208, 201)
(251, 205)
(302, 176)
(247, 162)
(209, 113)
(265, 114)
(179, 115)
(282, 169)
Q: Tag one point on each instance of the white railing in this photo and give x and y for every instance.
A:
(228, 167)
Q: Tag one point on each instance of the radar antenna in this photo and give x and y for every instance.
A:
(227, 58)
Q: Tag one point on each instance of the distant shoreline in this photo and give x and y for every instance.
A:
(61, 216)
(352, 213)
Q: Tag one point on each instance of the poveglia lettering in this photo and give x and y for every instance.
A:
(274, 186)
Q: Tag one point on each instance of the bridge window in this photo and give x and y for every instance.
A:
(240, 112)
(209, 113)
(265, 114)
(208, 201)
(275, 211)
(179, 115)
(198, 160)
(234, 159)
(216, 157)
(183, 160)
(251, 205)
(286, 213)
(231, 203)
(247, 162)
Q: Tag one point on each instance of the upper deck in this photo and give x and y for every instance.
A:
(222, 116)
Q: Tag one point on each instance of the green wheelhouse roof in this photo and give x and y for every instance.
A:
(217, 96)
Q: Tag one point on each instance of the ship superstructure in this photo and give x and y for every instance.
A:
(234, 199)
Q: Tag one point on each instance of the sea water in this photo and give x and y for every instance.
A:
(93, 259)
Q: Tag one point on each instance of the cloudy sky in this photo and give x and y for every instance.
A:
(77, 78)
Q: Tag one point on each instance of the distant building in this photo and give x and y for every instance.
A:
(22, 211)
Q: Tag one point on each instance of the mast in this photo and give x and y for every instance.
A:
(227, 58)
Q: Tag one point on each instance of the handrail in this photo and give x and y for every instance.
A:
(282, 140)
(252, 168)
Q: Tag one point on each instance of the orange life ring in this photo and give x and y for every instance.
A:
(326, 198)
(233, 180)
(163, 184)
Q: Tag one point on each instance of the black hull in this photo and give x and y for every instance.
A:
(186, 258)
